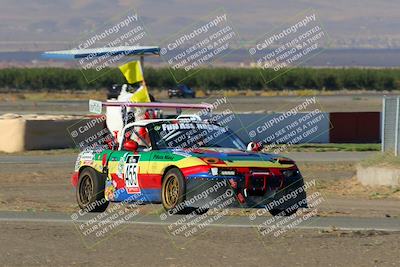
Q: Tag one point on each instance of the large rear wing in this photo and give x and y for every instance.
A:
(97, 106)
(98, 52)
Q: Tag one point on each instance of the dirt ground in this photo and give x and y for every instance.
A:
(59, 103)
(46, 187)
(38, 244)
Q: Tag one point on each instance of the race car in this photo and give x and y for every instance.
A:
(186, 164)
(181, 90)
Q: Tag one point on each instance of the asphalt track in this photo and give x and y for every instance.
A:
(328, 103)
(337, 223)
(297, 156)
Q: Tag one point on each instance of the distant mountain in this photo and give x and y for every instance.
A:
(56, 24)
(380, 58)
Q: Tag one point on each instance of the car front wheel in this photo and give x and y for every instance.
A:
(173, 190)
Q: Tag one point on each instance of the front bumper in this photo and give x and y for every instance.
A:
(233, 192)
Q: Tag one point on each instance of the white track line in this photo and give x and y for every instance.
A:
(393, 228)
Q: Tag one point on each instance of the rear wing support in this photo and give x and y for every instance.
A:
(97, 107)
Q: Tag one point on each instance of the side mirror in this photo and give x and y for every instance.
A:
(130, 145)
(253, 146)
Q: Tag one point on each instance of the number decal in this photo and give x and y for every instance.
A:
(131, 175)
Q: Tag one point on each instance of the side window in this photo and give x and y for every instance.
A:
(139, 135)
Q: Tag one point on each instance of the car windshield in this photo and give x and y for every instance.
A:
(180, 134)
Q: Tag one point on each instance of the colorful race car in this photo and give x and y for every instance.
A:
(186, 164)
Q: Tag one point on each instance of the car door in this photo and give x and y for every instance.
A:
(128, 170)
(136, 162)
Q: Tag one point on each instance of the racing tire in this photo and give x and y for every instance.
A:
(173, 190)
(277, 212)
(90, 191)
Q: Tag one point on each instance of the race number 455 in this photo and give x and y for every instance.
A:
(131, 175)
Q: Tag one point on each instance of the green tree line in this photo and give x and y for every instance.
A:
(207, 78)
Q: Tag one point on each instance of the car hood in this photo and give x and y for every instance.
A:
(231, 155)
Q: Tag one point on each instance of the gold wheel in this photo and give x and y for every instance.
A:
(171, 191)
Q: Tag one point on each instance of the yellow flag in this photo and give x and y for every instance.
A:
(132, 72)
(141, 95)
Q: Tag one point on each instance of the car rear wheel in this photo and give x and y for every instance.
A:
(90, 191)
(173, 190)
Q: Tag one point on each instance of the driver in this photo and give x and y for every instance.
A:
(140, 135)
(143, 138)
